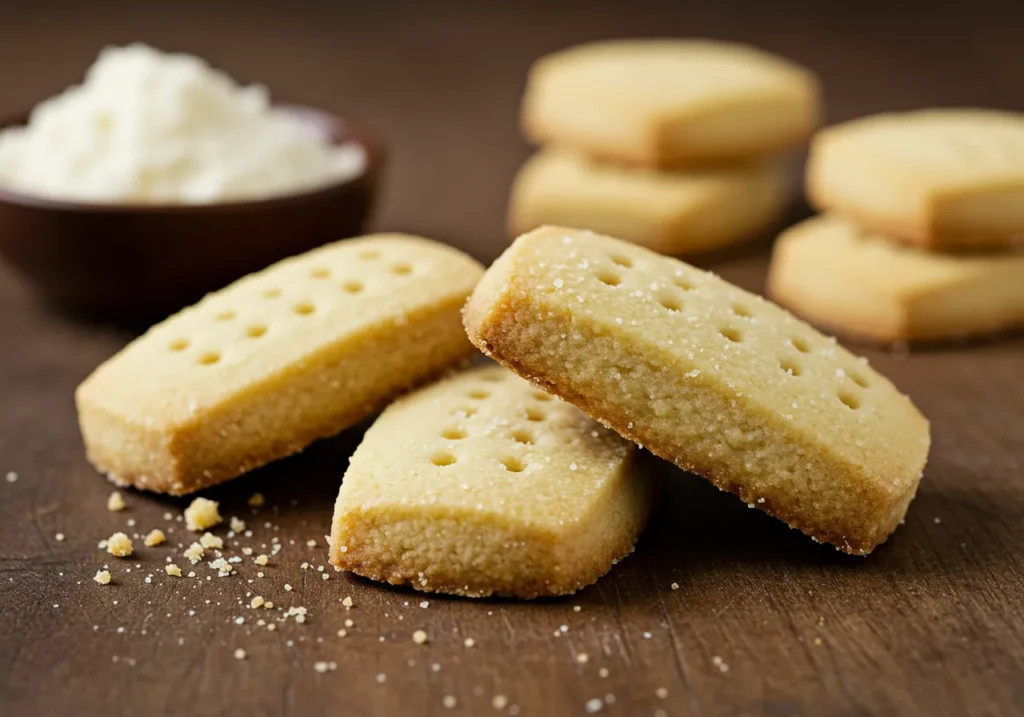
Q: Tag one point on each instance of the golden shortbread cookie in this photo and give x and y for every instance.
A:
(947, 179)
(670, 103)
(678, 212)
(860, 284)
(717, 380)
(261, 369)
(482, 484)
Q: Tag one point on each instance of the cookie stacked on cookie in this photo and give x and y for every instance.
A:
(922, 236)
(669, 144)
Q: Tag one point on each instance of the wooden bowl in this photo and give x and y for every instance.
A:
(133, 262)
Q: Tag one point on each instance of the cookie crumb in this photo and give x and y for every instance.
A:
(237, 524)
(419, 637)
(11, 477)
(59, 537)
(310, 543)
(675, 586)
(239, 654)
(347, 602)
(582, 658)
(173, 570)
(499, 702)
(201, 514)
(469, 642)
(119, 545)
(342, 632)
(257, 602)
(261, 560)
(115, 503)
(287, 587)
(209, 540)
(661, 693)
(102, 577)
(322, 666)
(194, 553)
(256, 500)
(594, 705)
(603, 672)
(449, 701)
(154, 538)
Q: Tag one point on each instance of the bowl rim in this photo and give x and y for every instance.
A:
(343, 129)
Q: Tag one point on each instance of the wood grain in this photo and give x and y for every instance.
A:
(763, 621)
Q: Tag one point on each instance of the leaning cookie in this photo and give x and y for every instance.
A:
(264, 367)
(943, 179)
(702, 373)
(670, 103)
(481, 485)
(860, 284)
(676, 213)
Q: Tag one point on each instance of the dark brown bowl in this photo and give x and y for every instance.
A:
(144, 261)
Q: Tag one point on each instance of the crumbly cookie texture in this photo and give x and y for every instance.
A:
(119, 545)
(676, 213)
(202, 513)
(717, 380)
(261, 369)
(670, 103)
(946, 179)
(481, 485)
(859, 284)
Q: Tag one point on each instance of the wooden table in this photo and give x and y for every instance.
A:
(721, 610)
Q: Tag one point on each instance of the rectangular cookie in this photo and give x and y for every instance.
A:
(860, 284)
(667, 104)
(944, 179)
(266, 366)
(481, 485)
(675, 213)
(702, 373)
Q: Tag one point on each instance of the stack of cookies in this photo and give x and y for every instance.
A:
(922, 229)
(526, 480)
(665, 143)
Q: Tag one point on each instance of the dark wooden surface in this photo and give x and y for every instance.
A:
(763, 621)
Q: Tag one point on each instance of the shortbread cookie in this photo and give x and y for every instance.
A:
(261, 369)
(717, 380)
(670, 103)
(679, 212)
(485, 485)
(944, 179)
(859, 284)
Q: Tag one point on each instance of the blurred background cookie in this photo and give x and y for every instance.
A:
(677, 212)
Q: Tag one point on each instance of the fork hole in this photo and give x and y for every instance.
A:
(622, 260)
(683, 283)
(444, 458)
(320, 273)
(513, 464)
(453, 433)
(801, 344)
(535, 414)
(849, 399)
(791, 367)
(731, 333)
(741, 310)
(541, 396)
(225, 316)
(859, 379)
(271, 293)
(522, 436)
(304, 309)
(402, 268)
(352, 287)
(672, 303)
(608, 277)
(209, 358)
(479, 394)
(255, 331)
(178, 345)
